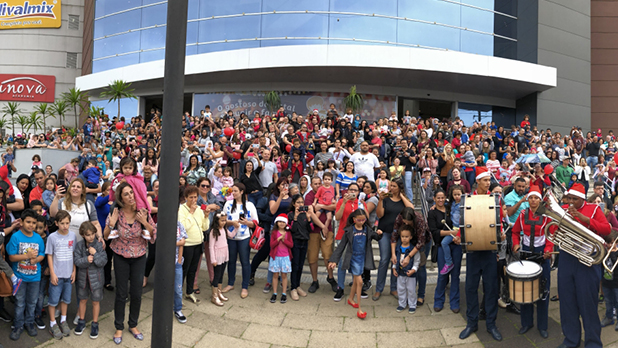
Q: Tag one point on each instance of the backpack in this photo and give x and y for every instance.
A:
(257, 237)
(6, 286)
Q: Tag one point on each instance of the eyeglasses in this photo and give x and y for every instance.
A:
(205, 186)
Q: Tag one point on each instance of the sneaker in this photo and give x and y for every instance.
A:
(364, 294)
(40, 324)
(273, 298)
(367, 285)
(607, 322)
(180, 317)
(501, 303)
(66, 330)
(76, 319)
(333, 283)
(55, 332)
(16, 333)
(314, 287)
(411, 310)
(284, 298)
(94, 330)
(252, 281)
(399, 309)
(79, 329)
(146, 234)
(447, 269)
(16, 286)
(113, 234)
(31, 329)
(5, 316)
(267, 288)
(338, 295)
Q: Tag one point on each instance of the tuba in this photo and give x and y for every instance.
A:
(573, 237)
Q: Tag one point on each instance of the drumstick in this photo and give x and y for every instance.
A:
(447, 226)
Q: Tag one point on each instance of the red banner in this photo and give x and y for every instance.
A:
(27, 88)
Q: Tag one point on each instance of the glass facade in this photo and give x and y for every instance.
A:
(129, 32)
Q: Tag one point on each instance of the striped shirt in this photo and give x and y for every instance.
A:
(344, 181)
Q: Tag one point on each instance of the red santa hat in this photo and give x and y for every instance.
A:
(535, 191)
(577, 190)
(282, 218)
(315, 111)
(482, 172)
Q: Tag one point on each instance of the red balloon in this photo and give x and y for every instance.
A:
(119, 125)
(288, 148)
(236, 155)
(616, 158)
(229, 131)
(548, 169)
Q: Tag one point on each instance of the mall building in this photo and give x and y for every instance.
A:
(476, 59)
(40, 54)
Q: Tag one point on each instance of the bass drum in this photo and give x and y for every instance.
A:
(480, 222)
(524, 281)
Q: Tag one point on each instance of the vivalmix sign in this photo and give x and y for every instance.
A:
(27, 88)
(20, 14)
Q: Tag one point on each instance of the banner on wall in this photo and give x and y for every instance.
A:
(27, 88)
(376, 106)
(24, 14)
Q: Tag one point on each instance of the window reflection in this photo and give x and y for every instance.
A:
(412, 24)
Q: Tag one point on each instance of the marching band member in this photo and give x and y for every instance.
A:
(578, 284)
(481, 263)
(534, 241)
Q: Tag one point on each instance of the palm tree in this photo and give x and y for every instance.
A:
(34, 121)
(43, 109)
(75, 97)
(117, 90)
(23, 122)
(354, 101)
(59, 108)
(3, 123)
(12, 109)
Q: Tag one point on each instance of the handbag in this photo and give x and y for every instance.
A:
(6, 286)
(257, 237)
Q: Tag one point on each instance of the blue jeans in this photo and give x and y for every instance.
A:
(385, 261)
(177, 286)
(255, 197)
(25, 303)
(60, 292)
(341, 275)
(611, 301)
(408, 185)
(38, 310)
(592, 162)
(239, 248)
(421, 277)
(447, 250)
(443, 280)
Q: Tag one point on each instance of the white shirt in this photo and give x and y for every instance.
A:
(266, 175)
(365, 164)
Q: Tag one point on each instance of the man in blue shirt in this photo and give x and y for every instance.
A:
(516, 201)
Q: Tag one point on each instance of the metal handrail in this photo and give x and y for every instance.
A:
(424, 205)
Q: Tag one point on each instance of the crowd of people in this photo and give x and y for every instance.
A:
(326, 183)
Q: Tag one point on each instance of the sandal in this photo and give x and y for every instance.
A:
(196, 291)
(193, 299)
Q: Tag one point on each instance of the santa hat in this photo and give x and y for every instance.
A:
(316, 110)
(482, 172)
(577, 190)
(282, 218)
(535, 191)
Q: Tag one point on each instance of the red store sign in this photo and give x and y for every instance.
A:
(27, 88)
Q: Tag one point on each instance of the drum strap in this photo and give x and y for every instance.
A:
(532, 224)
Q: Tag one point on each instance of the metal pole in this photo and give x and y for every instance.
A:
(173, 96)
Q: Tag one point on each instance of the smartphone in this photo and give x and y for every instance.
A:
(61, 183)
(241, 215)
(256, 146)
(304, 208)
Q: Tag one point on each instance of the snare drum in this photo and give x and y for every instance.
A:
(480, 222)
(524, 281)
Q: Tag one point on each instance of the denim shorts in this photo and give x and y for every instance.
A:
(95, 295)
(60, 292)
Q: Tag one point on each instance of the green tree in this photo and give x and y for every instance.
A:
(12, 109)
(272, 101)
(59, 108)
(45, 111)
(34, 121)
(354, 101)
(23, 123)
(75, 97)
(118, 90)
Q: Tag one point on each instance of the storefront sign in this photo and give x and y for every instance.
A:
(22, 14)
(27, 88)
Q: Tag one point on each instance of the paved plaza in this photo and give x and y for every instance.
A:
(314, 321)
